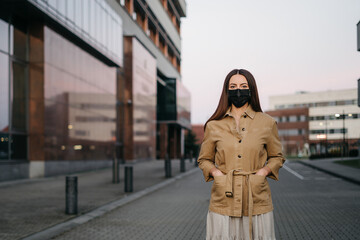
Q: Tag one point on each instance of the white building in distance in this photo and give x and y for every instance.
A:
(334, 118)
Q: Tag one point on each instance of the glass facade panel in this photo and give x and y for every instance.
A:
(18, 117)
(18, 42)
(53, 3)
(86, 20)
(18, 146)
(62, 7)
(166, 100)
(13, 97)
(4, 36)
(93, 17)
(78, 13)
(80, 111)
(144, 102)
(4, 146)
(4, 93)
(70, 13)
(101, 21)
(183, 105)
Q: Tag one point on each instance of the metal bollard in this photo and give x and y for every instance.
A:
(116, 171)
(71, 195)
(182, 164)
(129, 179)
(167, 167)
(196, 164)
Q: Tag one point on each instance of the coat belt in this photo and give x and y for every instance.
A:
(229, 190)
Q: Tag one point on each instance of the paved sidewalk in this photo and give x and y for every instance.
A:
(317, 206)
(30, 206)
(329, 166)
(177, 211)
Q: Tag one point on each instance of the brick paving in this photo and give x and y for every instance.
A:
(33, 205)
(309, 204)
(177, 211)
(318, 206)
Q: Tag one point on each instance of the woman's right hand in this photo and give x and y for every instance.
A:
(216, 172)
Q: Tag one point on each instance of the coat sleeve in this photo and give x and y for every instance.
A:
(206, 158)
(275, 158)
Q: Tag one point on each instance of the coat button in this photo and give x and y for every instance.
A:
(243, 129)
(239, 156)
(240, 141)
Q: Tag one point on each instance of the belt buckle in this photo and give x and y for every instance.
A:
(229, 194)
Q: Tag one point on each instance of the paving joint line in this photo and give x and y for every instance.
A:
(74, 222)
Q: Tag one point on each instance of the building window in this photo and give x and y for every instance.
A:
(80, 98)
(292, 118)
(329, 131)
(13, 90)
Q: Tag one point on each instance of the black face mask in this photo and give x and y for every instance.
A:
(239, 97)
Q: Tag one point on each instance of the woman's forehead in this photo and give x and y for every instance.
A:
(238, 79)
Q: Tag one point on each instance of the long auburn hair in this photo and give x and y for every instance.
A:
(224, 101)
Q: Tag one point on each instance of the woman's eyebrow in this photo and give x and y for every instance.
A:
(243, 84)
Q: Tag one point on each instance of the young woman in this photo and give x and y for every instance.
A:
(241, 147)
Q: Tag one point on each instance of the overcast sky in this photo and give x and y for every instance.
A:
(288, 45)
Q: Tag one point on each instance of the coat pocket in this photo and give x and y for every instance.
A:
(218, 197)
(260, 189)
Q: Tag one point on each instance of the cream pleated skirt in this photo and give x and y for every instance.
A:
(221, 227)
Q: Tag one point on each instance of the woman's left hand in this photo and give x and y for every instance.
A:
(263, 171)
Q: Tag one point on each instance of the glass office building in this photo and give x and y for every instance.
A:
(59, 62)
(84, 81)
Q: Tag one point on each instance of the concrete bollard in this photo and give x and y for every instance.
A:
(128, 178)
(116, 171)
(182, 164)
(167, 167)
(71, 195)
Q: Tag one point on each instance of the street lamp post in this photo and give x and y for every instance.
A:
(343, 130)
(326, 136)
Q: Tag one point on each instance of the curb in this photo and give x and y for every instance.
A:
(70, 224)
(349, 179)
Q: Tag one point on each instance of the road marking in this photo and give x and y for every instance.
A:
(293, 172)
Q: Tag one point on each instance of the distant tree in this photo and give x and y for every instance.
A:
(190, 144)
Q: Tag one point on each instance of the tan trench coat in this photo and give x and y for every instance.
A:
(239, 153)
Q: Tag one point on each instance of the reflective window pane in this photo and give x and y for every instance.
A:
(62, 7)
(18, 146)
(19, 97)
(52, 3)
(78, 13)
(4, 36)
(70, 10)
(80, 102)
(93, 20)
(86, 21)
(18, 42)
(4, 93)
(4, 146)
